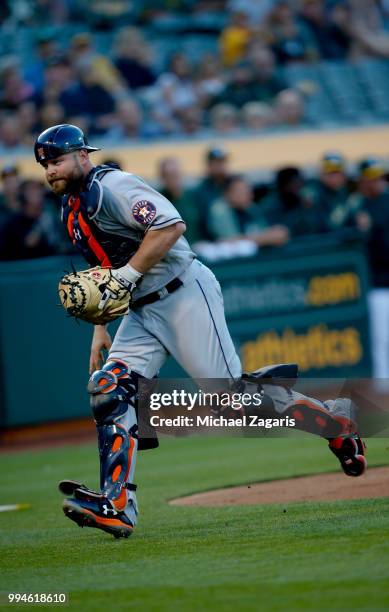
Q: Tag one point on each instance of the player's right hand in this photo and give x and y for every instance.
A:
(101, 341)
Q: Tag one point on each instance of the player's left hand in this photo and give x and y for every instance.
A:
(95, 295)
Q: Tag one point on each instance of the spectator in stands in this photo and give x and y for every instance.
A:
(9, 194)
(51, 114)
(83, 55)
(332, 41)
(368, 29)
(267, 84)
(89, 98)
(240, 87)
(166, 123)
(59, 75)
(29, 233)
(211, 187)
(330, 190)
(259, 35)
(340, 17)
(191, 119)
(235, 216)
(10, 132)
(256, 116)
(46, 48)
(175, 91)
(372, 217)
(172, 186)
(289, 41)
(289, 108)
(27, 117)
(129, 123)
(235, 38)
(223, 119)
(14, 89)
(209, 79)
(371, 182)
(133, 58)
(288, 204)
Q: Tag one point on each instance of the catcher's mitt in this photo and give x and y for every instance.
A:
(94, 295)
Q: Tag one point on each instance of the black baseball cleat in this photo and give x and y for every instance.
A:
(97, 511)
(67, 487)
(350, 450)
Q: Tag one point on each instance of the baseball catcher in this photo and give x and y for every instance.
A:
(143, 270)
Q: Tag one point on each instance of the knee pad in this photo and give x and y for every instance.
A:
(113, 393)
(112, 390)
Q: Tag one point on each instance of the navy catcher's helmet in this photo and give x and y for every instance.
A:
(58, 140)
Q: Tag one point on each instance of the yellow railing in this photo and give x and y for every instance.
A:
(247, 154)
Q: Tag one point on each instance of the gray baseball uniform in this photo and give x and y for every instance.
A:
(188, 324)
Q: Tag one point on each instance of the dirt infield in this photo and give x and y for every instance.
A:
(47, 435)
(321, 487)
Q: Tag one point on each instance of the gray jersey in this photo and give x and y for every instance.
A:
(129, 207)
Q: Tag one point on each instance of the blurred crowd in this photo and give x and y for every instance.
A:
(127, 92)
(227, 214)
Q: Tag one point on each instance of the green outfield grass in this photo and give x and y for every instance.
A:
(314, 556)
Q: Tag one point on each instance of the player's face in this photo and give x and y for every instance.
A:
(64, 174)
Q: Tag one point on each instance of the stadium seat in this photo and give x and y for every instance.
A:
(342, 82)
(319, 107)
(374, 78)
(195, 47)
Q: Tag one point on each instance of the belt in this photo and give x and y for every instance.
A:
(171, 287)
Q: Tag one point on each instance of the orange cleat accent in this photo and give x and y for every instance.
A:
(81, 512)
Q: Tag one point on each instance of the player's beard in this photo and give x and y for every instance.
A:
(70, 184)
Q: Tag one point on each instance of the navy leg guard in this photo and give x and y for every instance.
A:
(113, 395)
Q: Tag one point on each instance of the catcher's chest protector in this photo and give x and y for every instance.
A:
(96, 245)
